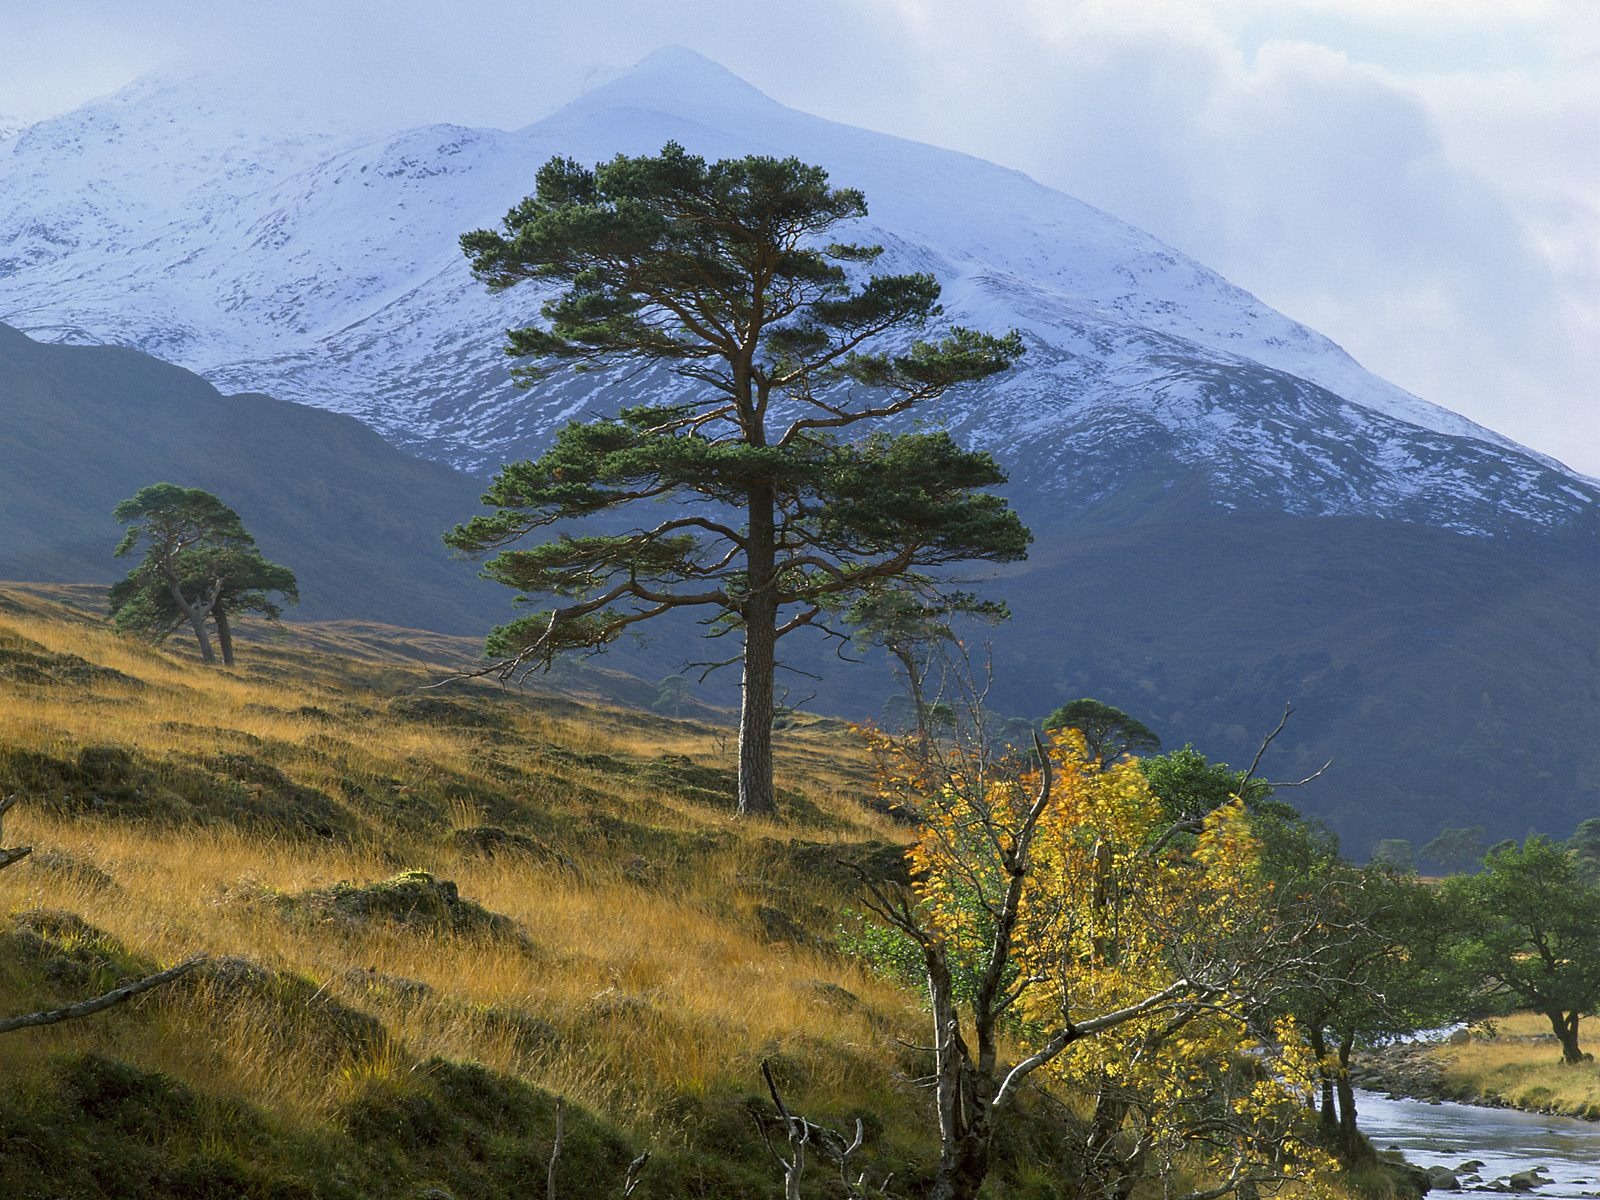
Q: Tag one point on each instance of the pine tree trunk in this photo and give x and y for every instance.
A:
(756, 794)
(224, 634)
(197, 621)
(909, 664)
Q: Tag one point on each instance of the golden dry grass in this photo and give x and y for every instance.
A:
(1521, 1065)
(646, 961)
(642, 981)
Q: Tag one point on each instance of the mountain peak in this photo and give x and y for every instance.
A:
(680, 79)
(196, 96)
(682, 60)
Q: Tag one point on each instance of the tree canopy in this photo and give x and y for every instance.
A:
(1531, 927)
(1457, 849)
(1585, 848)
(199, 565)
(1054, 934)
(1190, 785)
(781, 339)
(1108, 732)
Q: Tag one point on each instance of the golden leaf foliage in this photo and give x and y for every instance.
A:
(1109, 917)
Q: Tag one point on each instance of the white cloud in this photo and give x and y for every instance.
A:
(1443, 225)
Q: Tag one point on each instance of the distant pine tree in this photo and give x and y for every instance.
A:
(199, 565)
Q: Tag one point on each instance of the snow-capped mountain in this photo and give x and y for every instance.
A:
(274, 252)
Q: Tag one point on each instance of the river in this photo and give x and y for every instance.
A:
(1503, 1139)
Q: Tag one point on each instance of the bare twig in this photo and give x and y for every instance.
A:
(1196, 824)
(799, 1133)
(1302, 782)
(1255, 762)
(86, 1008)
(634, 1169)
(555, 1148)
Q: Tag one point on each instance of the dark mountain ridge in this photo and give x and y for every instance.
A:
(357, 520)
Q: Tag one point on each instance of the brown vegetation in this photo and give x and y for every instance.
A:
(619, 947)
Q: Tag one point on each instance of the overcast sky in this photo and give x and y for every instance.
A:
(1418, 179)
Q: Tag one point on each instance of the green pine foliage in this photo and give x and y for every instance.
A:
(722, 272)
(1108, 731)
(199, 564)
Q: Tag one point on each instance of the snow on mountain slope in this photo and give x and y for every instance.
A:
(277, 254)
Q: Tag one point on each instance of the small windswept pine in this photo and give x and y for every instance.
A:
(199, 565)
(1108, 732)
(912, 617)
(722, 271)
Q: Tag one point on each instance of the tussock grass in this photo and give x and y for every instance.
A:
(164, 810)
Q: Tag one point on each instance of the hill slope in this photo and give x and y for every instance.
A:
(357, 520)
(1451, 681)
(428, 914)
(1201, 472)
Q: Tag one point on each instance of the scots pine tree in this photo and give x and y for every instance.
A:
(782, 343)
(199, 566)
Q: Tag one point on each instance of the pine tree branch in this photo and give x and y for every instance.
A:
(843, 417)
(85, 1008)
(15, 855)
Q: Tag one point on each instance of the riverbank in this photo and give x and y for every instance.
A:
(1514, 1063)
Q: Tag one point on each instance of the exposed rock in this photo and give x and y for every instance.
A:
(1443, 1179)
(1404, 1069)
(1412, 1176)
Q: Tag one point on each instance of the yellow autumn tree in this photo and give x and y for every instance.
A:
(1047, 909)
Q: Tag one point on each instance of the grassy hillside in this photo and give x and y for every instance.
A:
(1442, 674)
(1516, 1061)
(429, 913)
